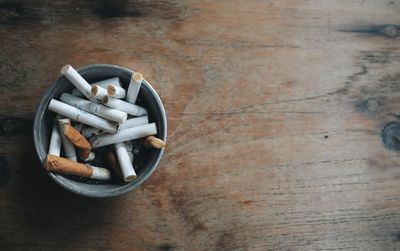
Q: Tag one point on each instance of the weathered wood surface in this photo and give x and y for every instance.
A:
(275, 112)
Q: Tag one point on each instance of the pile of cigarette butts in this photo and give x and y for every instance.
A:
(94, 116)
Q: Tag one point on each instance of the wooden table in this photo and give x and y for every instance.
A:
(275, 114)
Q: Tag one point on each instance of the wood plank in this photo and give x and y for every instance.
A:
(275, 114)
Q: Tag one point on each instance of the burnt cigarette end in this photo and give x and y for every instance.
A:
(153, 142)
(104, 100)
(111, 90)
(137, 77)
(65, 68)
(130, 178)
(94, 90)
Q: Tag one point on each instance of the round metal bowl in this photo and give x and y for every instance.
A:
(148, 98)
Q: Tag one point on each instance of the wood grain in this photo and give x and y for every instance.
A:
(275, 113)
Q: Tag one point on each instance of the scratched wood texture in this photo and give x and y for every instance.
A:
(275, 114)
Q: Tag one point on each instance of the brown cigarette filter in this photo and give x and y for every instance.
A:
(154, 142)
(94, 90)
(78, 140)
(112, 160)
(137, 76)
(56, 164)
(111, 89)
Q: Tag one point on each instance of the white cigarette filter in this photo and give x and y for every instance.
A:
(77, 80)
(124, 106)
(124, 162)
(69, 148)
(138, 121)
(153, 142)
(94, 108)
(91, 131)
(81, 116)
(55, 141)
(134, 87)
(124, 135)
(116, 91)
(98, 92)
(100, 173)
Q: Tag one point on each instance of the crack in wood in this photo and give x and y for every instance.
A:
(386, 30)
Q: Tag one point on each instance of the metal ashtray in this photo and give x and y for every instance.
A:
(148, 158)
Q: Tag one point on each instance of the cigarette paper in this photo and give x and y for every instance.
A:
(153, 142)
(55, 141)
(124, 162)
(69, 149)
(124, 106)
(116, 92)
(124, 135)
(98, 92)
(134, 87)
(94, 108)
(62, 165)
(81, 116)
(79, 141)
(91, 131)
(76, 79)
(134, 122)
(112, 161)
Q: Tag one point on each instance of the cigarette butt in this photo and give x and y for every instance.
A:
(112, 160)
(69, 149)
(76, 79)
(116, 91)
(78, 140)
(55, 141)
(153, 142)
(134, 87)
(56, 164)
(124, 162)
(98, 92)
